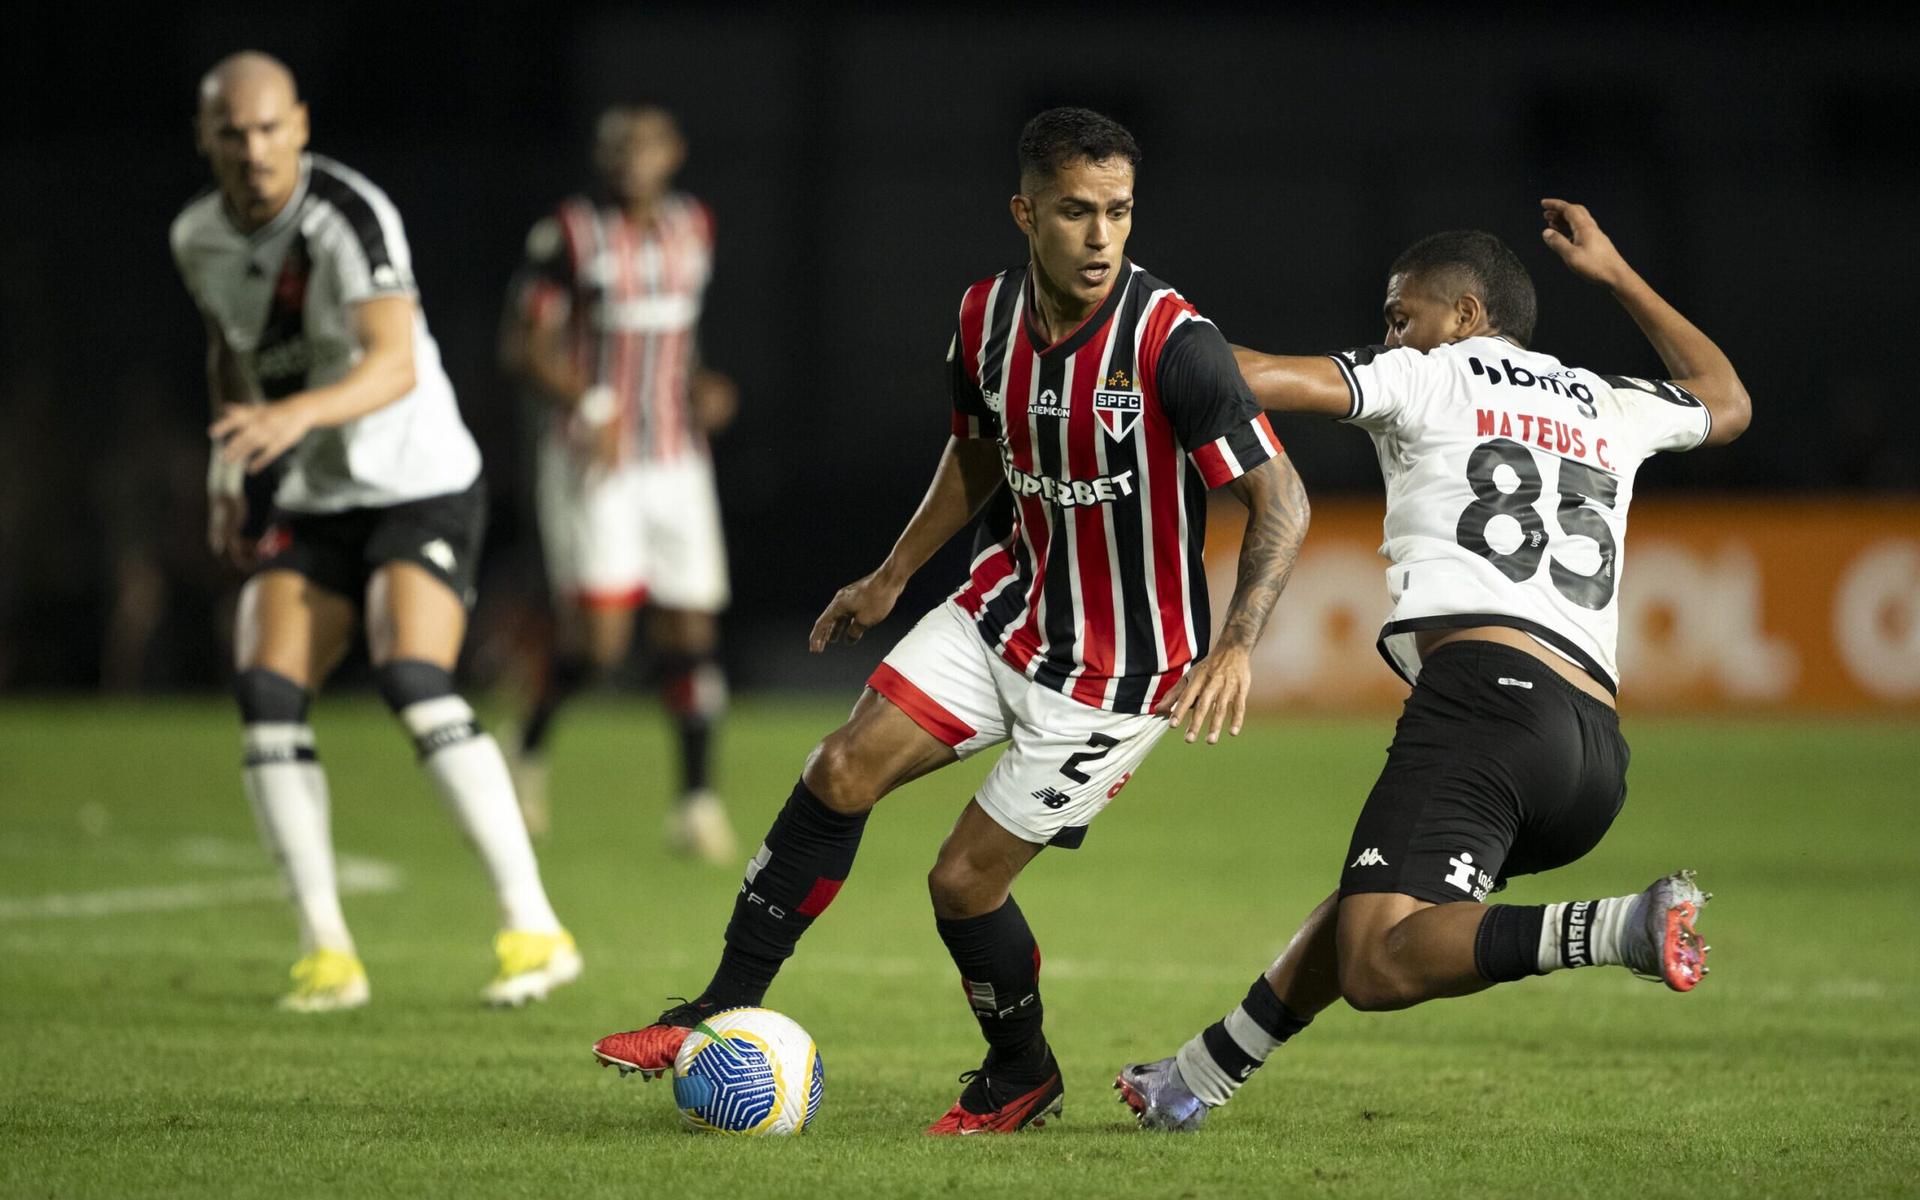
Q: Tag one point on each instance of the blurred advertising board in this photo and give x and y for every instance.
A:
(1726, 604)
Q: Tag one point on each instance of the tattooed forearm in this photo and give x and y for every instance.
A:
(1277, 514)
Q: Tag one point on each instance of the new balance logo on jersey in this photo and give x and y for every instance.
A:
(1552, 381)
(1370, 857)
(1052, 797)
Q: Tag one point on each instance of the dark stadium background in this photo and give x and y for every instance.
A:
(1761, 173)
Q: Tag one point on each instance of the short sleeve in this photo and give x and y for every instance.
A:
(544, 285)
(972, 417)
(367, 254)
(1213, 413)
(1667, 416)
(178, 237)
(1384, 384)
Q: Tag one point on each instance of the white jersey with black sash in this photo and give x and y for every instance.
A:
(1508, 476)
(284, 296)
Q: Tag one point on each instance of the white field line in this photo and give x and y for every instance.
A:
(358, 875)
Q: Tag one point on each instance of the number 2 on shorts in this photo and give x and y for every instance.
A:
(1101, 745)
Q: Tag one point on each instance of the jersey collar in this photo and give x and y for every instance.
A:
(288, 214)
(1083, 332)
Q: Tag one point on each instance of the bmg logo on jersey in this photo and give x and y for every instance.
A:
(1578, 392)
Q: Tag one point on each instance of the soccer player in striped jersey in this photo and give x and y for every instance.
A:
(318, 357)
(604, 327)
(1508, 479)
(1108, 407)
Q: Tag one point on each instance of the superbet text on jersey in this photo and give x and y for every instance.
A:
(1109, 440)
(1509, 475)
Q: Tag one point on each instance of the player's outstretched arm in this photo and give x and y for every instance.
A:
(255, 435)
(1693, 360)
(968, 474)
(1277, 516)
(1285, 383)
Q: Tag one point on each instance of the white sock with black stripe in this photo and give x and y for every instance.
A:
(288, 792)
(1584, 933)
(472, 777)
(1224, 1055)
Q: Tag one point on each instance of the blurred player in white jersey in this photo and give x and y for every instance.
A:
(603, 326)
(1508, 479)
(319, 360)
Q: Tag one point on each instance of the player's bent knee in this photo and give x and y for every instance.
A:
(958, 890)
(836, 774)
(268, 697)
(1371, 985)
(405, 682)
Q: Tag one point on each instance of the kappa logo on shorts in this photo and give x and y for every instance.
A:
(1052, 797)
(1371, 857)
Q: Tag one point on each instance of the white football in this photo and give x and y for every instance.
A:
(748, 1071)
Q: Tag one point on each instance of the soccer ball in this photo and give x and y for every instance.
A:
(748, 1071)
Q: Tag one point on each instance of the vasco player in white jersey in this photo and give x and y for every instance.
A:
(317, 351)
(604, 327)
(1508, 476)
(1108, 407)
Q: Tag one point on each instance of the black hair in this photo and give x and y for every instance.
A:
(1483, 264)
(1062, 135)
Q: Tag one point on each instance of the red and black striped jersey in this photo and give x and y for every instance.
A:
(630, 296)
(1109, 440)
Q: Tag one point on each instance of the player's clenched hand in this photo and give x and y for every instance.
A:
(1215, 689)
(253, 435)
(1576, 237)
(856, 608)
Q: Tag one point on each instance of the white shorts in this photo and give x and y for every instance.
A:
(1066, 760)
(639, 533)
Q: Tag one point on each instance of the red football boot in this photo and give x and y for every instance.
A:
(651, 1051)
(988, 1105)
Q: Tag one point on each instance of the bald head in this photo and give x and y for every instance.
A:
(246, 69)
(252, 128)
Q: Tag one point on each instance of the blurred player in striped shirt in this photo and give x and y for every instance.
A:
(605, 320)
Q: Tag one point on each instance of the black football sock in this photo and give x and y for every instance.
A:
(1533, 939)
(695, 691)
(1000, 968)
(1507, 947)
(1224, 1055)
(805, 858)
(567, 674)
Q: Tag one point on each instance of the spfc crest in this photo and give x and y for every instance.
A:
(1117, 405)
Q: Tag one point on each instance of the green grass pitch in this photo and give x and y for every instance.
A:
(139, 1053)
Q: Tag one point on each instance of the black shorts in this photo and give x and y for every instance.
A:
(341, 551)
(1499, 767)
